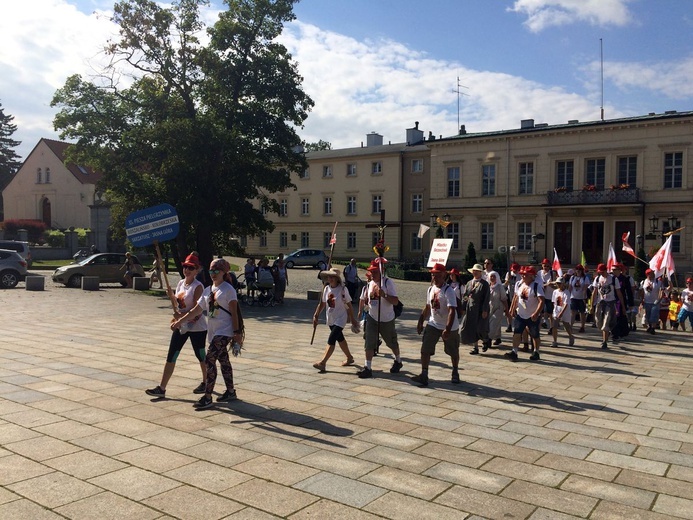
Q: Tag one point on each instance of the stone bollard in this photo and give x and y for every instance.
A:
(90, 283)
(35, 282)
(314, 295)
(140, 283)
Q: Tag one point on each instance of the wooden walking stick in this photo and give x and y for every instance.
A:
(380, 249)
(169, 292)
(333, 240)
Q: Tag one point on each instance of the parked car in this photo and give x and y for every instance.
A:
(107, 266)
(12, 268)
(21, 247)
(307, 257)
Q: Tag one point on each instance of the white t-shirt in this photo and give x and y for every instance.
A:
(528, 298)
(440, 299)
(650, 290)
(387, 311)
(578, 287)
(687, 299)
(219, 322)
(606, 287)
(545, 277)
(185, 296)
(561, 299)
(336, 300)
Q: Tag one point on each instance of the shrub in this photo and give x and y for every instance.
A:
(35, 229)
(55, 238)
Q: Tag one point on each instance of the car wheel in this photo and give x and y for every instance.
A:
(290, 265)
(322, 266)
(75, 281)
(9, 279)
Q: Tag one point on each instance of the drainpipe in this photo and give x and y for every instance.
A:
(401, 206)
(507, 198)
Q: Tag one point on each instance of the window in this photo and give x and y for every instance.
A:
(263, 240)
(675, 238)
(305, 239)
(416, 242)
(39, 176)
(327, 171)
(453, 231)
(351, 205)
(283, 208)
(417, 203)
(595, 173)
(627, 170)
(283, 239)
(48, 175)
(244, 241)
(524, 236)
(454, 182)
(376, 167)
(377, 204)
(417, 166)
(564, 175)
(351, 240)
(526, 176)
(351, 170)
(305, 174)
(305, 206)
(375, 236)
(487, 235)
(327, 205)
(326, 236)
(673, 170)
(488, 180)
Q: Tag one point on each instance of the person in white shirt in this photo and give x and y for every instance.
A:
(547, 277)
(488, 269)
(440, 315)
(686, 305)
(579, 285)
(223, 327)
(336, 299)
(650, 294)
(526, 310)
(606, 290)
(561, 311)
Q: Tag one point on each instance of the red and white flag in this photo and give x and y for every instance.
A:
(556, 266)
(333, 240)
(662, 262)
(626, 246)
(611, 261)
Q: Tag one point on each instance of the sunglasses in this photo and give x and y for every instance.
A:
(214, 271)
(189, 267)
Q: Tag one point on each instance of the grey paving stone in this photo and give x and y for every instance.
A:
(54, 489)
(324, 509)
(628, 462)
(406, 483)
(107, 506)
(25, 509)
(674, 506)
(134, 483)
(341, 489)
(270, 497)
(606, 510)
(468, 477)
(483, 504)
(402, 507)
(550, 498)
(638, 498)
(15, 468)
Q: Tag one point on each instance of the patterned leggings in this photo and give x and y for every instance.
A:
(217, 350)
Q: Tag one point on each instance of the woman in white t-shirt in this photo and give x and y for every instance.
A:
(187, 292)
(561, 311)
(336, 299)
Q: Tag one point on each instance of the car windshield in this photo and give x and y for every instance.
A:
(86, 260)
(295, 253)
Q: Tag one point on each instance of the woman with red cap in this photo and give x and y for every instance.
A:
(187, 292)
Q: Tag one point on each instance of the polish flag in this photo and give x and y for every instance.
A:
(662, 262)
(556, 266)
(626, 246)
(611, 261)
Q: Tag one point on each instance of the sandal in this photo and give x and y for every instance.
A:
(348, 362)
(320, 367)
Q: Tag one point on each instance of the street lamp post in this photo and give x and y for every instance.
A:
(440, 223)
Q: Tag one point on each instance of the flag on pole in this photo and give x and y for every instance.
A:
(556, 266)
(333, 240)
(611, 261)
(626, 246)
(583, 260)
(422, 230)
(662, 262)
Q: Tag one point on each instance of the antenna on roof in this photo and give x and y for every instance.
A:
(459, 93)
(601, 61)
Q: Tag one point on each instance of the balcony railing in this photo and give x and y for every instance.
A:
(607, 196)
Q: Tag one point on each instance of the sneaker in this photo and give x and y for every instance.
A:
(396, 367)
(365, 373)
(474, 351)
(485, 345)
(204, 403)
(455, 377)
(497, 341)
(512, 355)
(604, 347)
(571, 341)
(526, 347)
(554, 343)
(509, 329)
(229, 395)
(422, 379)
(200, 388)
(156, 392)
(534, 356)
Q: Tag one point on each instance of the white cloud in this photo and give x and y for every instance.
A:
(547, 13)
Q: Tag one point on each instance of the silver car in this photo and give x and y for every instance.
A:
(107, 266)
(12, 268)
(307, 257)
(21, 247)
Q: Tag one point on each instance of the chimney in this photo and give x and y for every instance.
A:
(463, 130)
(414, 135)
(527, 123)
(431, 137)
(374, 139)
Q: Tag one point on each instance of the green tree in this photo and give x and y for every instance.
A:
(9, 160)
(470, 257)
(316, 147)
(207, 128)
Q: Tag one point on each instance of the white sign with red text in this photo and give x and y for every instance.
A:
(440, 250)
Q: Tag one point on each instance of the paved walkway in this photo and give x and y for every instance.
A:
(581, 434)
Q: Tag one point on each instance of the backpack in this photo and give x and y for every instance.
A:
(397, 308)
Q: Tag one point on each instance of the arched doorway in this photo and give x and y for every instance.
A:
(46, 211)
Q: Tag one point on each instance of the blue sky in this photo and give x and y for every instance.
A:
(380, 65)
